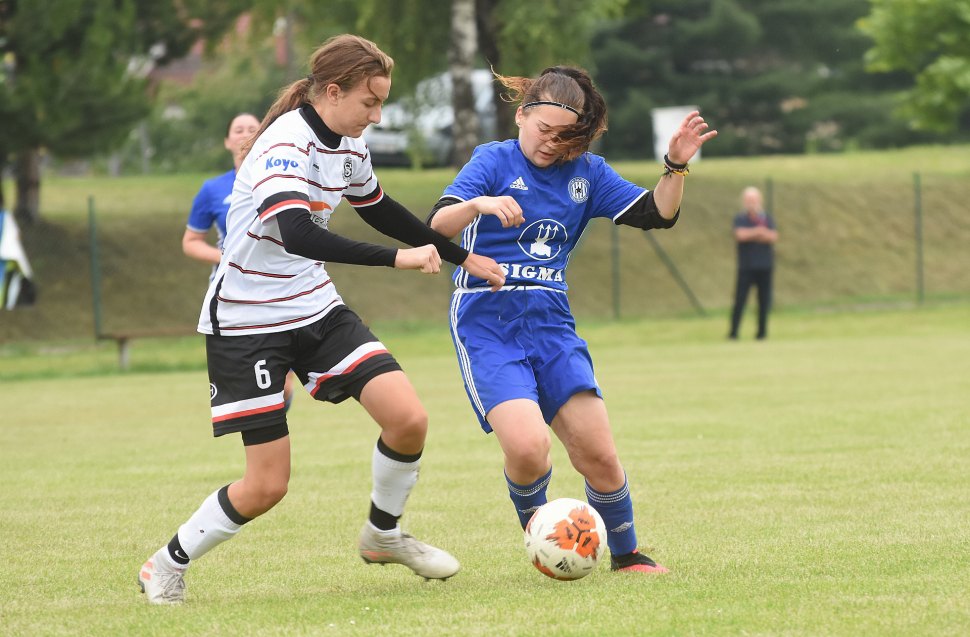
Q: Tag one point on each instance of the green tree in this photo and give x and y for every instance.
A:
(71, 81)
(931, 39)
(771, 75)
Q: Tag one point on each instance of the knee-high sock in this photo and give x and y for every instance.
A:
(616, 509)
(395, 474)
(215, 522)
(529, 497)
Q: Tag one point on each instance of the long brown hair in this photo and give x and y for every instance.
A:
(572, 87)
(344, 60)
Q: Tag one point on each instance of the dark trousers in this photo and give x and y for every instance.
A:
(747, 278)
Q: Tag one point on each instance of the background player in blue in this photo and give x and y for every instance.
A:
(210, 206)
(525, 202)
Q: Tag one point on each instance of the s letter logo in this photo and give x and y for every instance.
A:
(578, 189)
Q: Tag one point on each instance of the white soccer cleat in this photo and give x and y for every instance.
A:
(402, 548)
(162, 582)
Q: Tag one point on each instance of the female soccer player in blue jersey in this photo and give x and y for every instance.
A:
(525, 202)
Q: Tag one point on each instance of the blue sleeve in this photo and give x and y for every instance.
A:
(203, 213)
(771, 222)
(611, 194)
(476, 177)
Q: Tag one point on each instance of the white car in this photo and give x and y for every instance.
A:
(421, 124)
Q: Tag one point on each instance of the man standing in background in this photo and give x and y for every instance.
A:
(754, 230)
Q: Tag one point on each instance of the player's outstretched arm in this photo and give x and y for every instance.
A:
(450, 216)
(685, 143)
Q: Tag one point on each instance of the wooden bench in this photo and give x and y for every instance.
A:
(123, 339)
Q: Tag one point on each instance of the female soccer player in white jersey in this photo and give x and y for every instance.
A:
(272, 307)
(525, 202)
(211, 206)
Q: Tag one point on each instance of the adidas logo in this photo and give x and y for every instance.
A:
(518, 184)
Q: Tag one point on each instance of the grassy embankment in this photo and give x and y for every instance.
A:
(846, 225)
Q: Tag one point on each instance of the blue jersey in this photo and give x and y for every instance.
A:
(210, 206)
(557, 202)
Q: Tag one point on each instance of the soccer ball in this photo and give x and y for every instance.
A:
(565, 539)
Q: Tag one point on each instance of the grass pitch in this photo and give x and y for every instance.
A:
(813, 484)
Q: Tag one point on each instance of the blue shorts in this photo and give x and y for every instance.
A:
(519, 343)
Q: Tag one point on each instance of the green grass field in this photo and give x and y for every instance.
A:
(813, 484)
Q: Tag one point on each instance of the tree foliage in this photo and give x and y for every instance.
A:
(771, 75)
(70, 80)
(931, 39)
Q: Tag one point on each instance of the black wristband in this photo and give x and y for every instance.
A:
(673, 165)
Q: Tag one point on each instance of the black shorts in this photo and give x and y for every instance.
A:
(333, 358)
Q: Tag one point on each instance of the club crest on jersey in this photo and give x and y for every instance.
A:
(542, 240)
(578, 189)
(348, 169)
(212, 391)
(280, 163)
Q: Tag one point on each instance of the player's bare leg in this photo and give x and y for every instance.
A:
(265, 481)
(392, 402)
(524, 437)
(222, 514)
(583, 426)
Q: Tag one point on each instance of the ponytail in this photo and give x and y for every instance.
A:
(344, 60)
(572, 87)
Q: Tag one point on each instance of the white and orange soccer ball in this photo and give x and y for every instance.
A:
(565, 539)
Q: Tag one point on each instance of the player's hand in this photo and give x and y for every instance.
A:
(485, 268)
(506, 208)
(688, 138)
(424, 258)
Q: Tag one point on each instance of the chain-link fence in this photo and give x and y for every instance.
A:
(840, 242)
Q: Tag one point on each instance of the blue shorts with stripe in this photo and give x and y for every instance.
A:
(519, 342)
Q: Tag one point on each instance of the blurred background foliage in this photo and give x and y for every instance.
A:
(774, 76)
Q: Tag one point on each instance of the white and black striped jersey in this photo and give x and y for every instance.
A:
(296, 164)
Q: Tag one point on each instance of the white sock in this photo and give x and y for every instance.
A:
(393, 482)
(207, 528)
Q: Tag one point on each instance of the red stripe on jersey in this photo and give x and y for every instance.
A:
(314, 147)
(296, 320)
(303, 179)
(280, 300)
(248, 412)
(357, 362)
(363, 184)
(269, 274)
(380, 193)
(289, 203)
(259, 238)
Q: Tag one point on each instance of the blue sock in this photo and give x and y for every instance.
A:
(527, 498)
(616, 509)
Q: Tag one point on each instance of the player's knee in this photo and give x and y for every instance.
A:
(532, 455)
(413, 424)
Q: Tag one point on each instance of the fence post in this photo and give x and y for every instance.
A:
(918, 214)
(674, 272)
(616, 272)
(769, 195)
(95, 267)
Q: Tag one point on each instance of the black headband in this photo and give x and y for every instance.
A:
(309, 78)
(565, 106)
